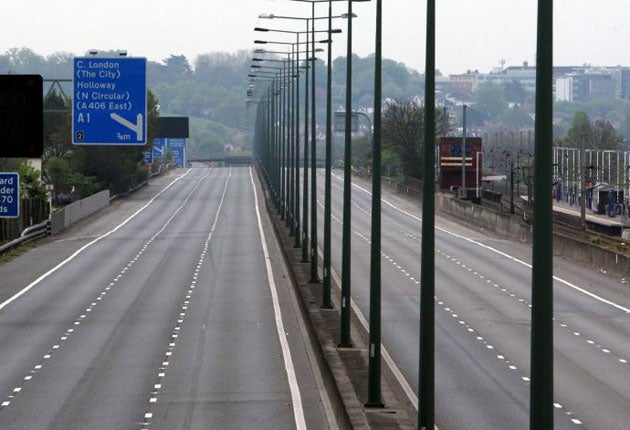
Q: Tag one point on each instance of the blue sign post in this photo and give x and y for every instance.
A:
(110, 101)
(178, 148)
(159, 147)
(147, 156)
(9, 195)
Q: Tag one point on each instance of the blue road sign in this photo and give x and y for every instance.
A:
(178, 148)
(9, 195)
(110, 101)
(147, 156)
(159, 147)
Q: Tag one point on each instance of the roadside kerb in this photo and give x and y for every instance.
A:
(344, 370)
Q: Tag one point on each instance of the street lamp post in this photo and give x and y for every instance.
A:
(290, 138)
(374, 360)
(314, 277)
(306, 125)
(347, 181)
(296, 135)
(541, 392)
(277, 138)
(326, 287)
(426, 373)
(306, 107)
(313, 256)
(346, 297)
(326, 300)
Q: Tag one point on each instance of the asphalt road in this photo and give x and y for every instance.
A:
(169, 310)
(482, 326)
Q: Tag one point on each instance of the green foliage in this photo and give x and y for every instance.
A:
(515, 92)
(210, 90)
(516, 117)
(30, 184)
(391, 164)
(598, 135)
(624, 129)
(403, 132)
(362, 151)
(57, 126)
(490, 98)
(58, 172)
(82, 185)
(399, 81)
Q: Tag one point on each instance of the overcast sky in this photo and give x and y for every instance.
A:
(471, 34)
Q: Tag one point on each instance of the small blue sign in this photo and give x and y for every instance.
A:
(9, 195)
(178, 148)
(147, 156)
(159, 147)
(110, 101)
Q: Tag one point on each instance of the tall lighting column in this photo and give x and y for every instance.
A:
(313, 248)
(313, 256)
(541, 392)
(344, 340)
(426, 374)
(374, 354)
(326, 287)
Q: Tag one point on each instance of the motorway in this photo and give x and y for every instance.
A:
(171, 309)
(482, 326)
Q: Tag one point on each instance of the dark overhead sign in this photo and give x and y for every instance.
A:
(21, 116)
(172, 127)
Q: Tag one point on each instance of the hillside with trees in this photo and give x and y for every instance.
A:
(211, 89)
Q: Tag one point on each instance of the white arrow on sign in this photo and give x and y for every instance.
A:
(137, 127)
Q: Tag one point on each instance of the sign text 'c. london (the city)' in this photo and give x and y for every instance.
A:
(110, 101)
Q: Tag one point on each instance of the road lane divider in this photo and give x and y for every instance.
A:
(296, 397)
(67, 335)
(87, 245)
(503, 254)
(147, 417)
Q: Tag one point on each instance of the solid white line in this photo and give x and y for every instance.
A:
(84, 247)
(296, 398)
(503, 254)
(385, 354)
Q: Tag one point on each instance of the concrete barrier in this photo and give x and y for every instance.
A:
(512, 226)
(501, 223)
(583, 251)
(68, 215)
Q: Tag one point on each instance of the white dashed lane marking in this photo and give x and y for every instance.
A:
(177, 328)
(524, 378)
(88, 311)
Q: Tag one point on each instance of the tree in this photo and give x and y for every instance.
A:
(30, 184)
(625, 128)
(598, 135)
(57, 126)
(490, 98)
(176, 68)
(515, 92)
(516, 117)
(604, 135)
(580, 129)
(403, 132)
